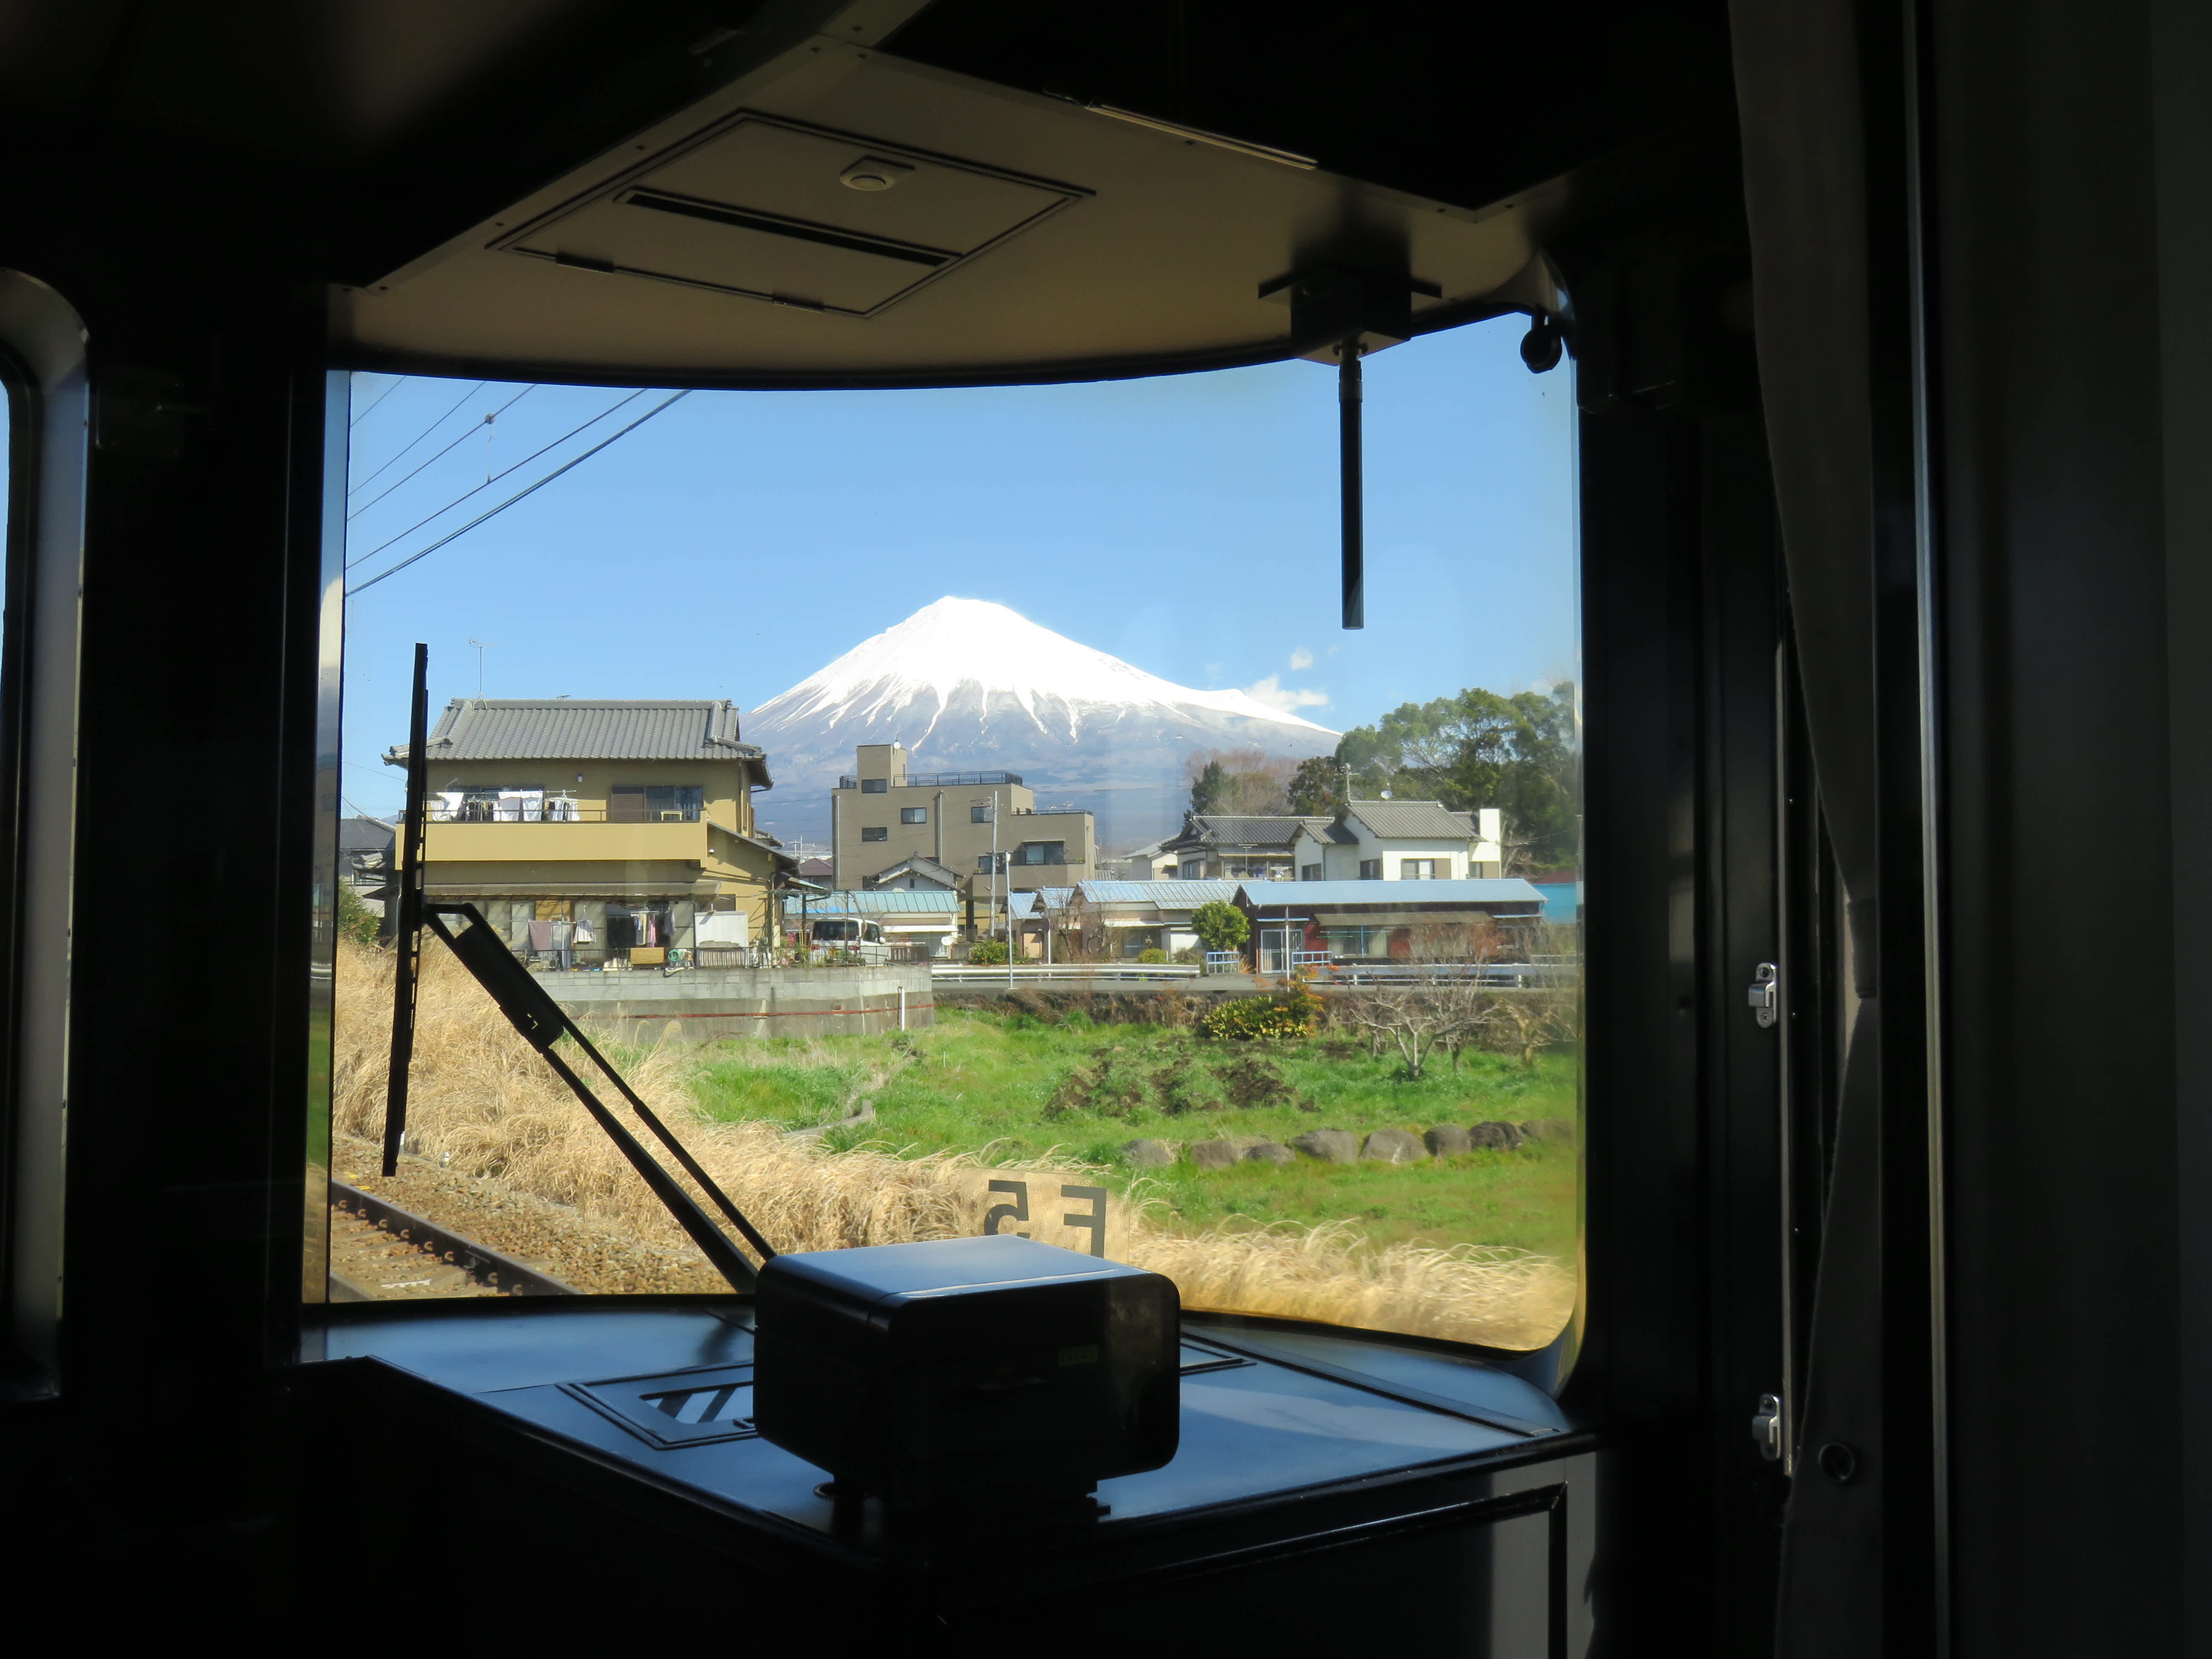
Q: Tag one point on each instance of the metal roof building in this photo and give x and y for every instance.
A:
(1508, 894)
(569, 728)
(1167, 895)
(898, 901)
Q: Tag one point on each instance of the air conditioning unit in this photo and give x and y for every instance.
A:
(673, 817)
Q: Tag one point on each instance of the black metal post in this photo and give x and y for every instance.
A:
(407, 894)
(1355, 549)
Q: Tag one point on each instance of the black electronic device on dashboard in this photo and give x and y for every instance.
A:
(962, 1372)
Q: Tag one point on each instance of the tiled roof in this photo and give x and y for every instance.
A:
(1386, 894)
(1410, 820)
(1222, 829)
(1329, 829)
(920, 863)
(364, 834)
(567, 728)
(1168, 895)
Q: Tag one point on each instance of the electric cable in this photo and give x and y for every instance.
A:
(493, 513)
(398, 381)
(495, 479)
(466, 434)
(417, 439)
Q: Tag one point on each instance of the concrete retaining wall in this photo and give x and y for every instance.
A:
(702, 1004)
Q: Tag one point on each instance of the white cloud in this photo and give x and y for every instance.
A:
(1287, 698)
(1302, 658)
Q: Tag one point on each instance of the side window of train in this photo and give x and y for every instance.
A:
(44, 408)
(959, 812)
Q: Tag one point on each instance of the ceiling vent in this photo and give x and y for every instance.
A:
(770, 210)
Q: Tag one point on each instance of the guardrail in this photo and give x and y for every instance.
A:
(989, 973)
(1511, 976)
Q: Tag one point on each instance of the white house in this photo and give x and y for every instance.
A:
(1400, 840)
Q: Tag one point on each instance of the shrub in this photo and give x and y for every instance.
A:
(1253, 1080)
(356, 922)
(988, 950)
(1220, 925)
(1106, 1086)
(1189, 953)
(1290, 1012)
(1154, 954)
(1179, 1086)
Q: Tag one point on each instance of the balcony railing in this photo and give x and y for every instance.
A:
(559, 812)
(935, 779)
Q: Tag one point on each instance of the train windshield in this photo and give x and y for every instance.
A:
(958, 811)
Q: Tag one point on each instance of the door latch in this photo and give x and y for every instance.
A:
(1766, 1427)
(1765, 994)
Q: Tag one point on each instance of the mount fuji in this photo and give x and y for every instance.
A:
(967, 685)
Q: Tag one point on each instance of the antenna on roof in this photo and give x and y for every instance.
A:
(482, 646)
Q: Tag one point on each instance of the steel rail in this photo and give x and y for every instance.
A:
(480, 1261)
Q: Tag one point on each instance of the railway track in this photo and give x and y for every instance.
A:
(435, 1262)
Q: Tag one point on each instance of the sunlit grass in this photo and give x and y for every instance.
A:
(984, 1082)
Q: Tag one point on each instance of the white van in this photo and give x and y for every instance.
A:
(851, 936)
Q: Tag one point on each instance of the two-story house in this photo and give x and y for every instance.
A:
(1234, 847)
(593, 832)
(1399, 840)
(883, 815)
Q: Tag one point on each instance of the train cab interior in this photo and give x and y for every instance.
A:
(1880, 1249)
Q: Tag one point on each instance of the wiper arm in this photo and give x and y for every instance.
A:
(542, 1024)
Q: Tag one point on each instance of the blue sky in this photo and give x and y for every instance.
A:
(1188, 524)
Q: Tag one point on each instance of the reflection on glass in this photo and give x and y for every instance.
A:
(957, 810)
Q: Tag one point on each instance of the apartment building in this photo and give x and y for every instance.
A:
(883, 815)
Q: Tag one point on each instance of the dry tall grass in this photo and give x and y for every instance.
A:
(481, 1099)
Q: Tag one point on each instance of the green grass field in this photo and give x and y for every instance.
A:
(979, 1080)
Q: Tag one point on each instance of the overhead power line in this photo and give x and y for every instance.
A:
(371, 409)
(467, 432)
(493, 512)
(417, 439)
(479, 488)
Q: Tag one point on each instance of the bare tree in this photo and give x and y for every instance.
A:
(1417, 1018)
(1524, 1022)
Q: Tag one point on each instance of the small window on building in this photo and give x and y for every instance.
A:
(1308, 872)
(1042, 852)
(1371, 869)
(980, 814)
(1417, 869)
(913, 815)
(983, 861)
(876, 832)
(875, 786)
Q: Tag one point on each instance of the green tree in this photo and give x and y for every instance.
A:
(1520, 754)
(1316, 788)
(1210, 788)
(1220, 925)
(988, 950)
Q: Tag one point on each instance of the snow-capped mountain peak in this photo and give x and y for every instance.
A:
(957, 644)
(966, 685)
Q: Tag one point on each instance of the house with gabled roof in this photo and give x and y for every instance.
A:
(1236, 847)
(1400, 840)
(917, 873)
(598, 834)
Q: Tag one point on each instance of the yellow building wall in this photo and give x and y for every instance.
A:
(591, 782)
